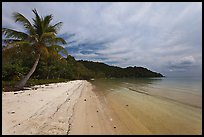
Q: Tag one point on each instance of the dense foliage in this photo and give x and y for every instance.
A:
(40, 34)
(17, 61)
(33, 57)
(104, 70)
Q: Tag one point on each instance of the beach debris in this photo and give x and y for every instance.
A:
(19, 124)
(114, 126)
(97, 111)
(46, 84)
(15, 93)
(91, 126)
(84, 99)
(12, 112)
(29, 94)
(127, 105)
(34, 88)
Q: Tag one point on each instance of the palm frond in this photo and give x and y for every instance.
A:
(46, 22)
(60, 40)
(52, 40)
(57, 26)
(58, 49)
(47, 35)
(38, 23)
(10, 33)
(7, 41)
(18, 43)
(20, 18)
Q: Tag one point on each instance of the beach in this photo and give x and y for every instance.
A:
(60, 108)
(78, 107)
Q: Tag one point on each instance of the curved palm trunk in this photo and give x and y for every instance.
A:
(22, 82)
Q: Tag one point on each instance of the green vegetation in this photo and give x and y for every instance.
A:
(40, 35)
(34, 57)
(104, 70)
(17, 61)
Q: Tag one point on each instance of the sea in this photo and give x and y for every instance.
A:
(166, 105)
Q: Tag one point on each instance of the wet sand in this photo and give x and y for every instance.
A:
(136, 113)
(76, 107)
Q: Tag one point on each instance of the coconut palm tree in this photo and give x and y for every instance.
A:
(40, 34)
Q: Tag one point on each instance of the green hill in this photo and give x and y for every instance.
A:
(104, 70)
(17, 61)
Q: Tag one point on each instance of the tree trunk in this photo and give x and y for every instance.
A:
(19, 85)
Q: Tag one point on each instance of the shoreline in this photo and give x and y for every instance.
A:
(78, 107)
(58, 108)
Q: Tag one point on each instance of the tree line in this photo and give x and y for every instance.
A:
(17, 61)
(37, 54)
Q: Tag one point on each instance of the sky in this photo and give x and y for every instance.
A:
(163, 37)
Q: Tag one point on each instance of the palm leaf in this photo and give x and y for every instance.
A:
(20, 18)
(57, 26)
(57, 48)
(10, 33)
(47, 35)
(38, 23)
(19, 43)
(8, 41)
(46, 22)
(60, 40)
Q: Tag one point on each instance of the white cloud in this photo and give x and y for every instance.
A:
(137, 34)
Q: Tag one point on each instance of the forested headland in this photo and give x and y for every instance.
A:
(35, 56)
(53, 67)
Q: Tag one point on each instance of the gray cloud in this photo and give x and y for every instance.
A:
(161, 36)
(182, 63)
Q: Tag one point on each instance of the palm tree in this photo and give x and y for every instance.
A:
(40, 34)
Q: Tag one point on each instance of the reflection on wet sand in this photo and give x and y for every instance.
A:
(143, 106)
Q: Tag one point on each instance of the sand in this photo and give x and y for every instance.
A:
(75, 107)
(136, 113)
(61, 108)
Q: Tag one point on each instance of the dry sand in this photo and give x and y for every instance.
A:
(61, 108)
(75, 108)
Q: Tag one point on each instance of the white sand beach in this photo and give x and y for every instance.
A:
(61, 108)
(75, 108)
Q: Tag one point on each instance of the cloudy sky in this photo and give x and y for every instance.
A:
(164, 37)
